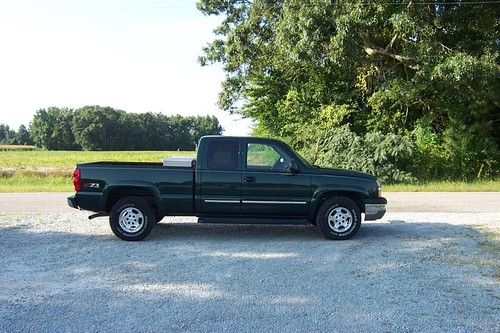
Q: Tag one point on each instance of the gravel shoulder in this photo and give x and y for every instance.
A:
(412, 271)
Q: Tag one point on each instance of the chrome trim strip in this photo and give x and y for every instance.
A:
(256, 202)
(274, 202)
(221, 201)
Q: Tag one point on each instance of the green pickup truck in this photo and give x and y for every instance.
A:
(232, 180)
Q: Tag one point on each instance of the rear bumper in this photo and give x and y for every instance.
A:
(375, 208)
(86, 201)
(72, 202)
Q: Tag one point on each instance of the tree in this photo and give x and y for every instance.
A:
(6, 134)
(380, 67)
(204, 125)
(181, 128)
(157, 131)
(22, 136)
(99, 128)
(51, 129)
(105, 128)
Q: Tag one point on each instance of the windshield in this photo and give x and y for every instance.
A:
(303, 160)
(300, 158)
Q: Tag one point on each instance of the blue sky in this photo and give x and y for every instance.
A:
(136, 55)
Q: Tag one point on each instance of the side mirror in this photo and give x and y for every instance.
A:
(293, 167)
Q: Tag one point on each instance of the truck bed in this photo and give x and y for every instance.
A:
(172, 187)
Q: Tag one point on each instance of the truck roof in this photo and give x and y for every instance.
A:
(223, 137)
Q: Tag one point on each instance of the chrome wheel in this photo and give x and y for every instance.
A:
(131, 220)
(340, 219)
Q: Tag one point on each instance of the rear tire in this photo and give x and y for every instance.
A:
(132, 219)
(339, 218)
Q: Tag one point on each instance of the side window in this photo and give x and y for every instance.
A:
(222, 155)
(265, 157)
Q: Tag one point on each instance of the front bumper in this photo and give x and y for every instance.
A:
(72, 202)
(375, 208)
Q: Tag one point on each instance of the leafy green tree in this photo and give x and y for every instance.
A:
(157, 131)
(181, 128)
(22, 136)
(204, 125)
(99, 128)
(6, 134)
(104, 128)
(378, 66)
(51, 129)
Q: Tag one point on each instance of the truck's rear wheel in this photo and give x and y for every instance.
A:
(131, 218)
(339, 218)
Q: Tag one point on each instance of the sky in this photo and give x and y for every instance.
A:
(134, 55)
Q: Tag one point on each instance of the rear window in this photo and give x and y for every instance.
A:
(222, 155)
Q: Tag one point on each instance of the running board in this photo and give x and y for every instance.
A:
(240, 220)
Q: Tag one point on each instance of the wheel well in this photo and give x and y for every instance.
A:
(351, 195)
(130, 191)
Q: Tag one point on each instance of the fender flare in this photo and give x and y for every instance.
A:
(325, 191)
(135, 184)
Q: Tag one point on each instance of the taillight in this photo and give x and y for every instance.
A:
(76, 180)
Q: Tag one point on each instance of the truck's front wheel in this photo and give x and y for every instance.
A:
(339, 218)
(131, 218)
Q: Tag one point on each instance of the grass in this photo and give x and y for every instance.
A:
(17, 147)
(42, 159)
(28, 169)
(38, 170)
(30, 183)
(446, 186)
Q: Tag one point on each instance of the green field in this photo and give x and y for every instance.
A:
(24, 170)
(27, 169)
(17, 147)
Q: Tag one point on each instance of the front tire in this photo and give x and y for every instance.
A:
(132, 219)
(339, 218)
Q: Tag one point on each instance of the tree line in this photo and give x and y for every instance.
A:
(401, 89)
(9, 136)
(106, 128)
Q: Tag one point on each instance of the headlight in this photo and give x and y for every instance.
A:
(379, 190)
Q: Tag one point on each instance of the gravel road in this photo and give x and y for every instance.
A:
(431, 265)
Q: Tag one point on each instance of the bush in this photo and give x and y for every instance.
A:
(458, 153)
(386, 156)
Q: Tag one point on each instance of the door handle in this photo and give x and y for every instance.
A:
(249, 179)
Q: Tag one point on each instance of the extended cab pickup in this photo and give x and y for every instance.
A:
(232, 180)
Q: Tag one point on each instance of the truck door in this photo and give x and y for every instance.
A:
(268, 187)
(220, 178)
